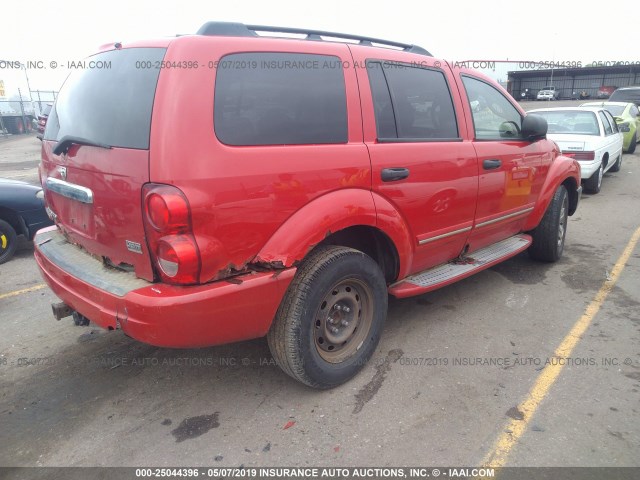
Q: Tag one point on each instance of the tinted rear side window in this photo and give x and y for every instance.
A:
(417, 98)
(280, 99)
(110, 100)
(385, 119)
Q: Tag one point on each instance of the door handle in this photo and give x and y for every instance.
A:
(491, 164)
(393, 174)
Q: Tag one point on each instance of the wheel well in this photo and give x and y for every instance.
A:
(572, 189)
(12, 219)
(372, 242)
(605, 160)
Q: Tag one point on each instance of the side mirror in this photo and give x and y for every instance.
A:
(534, 127)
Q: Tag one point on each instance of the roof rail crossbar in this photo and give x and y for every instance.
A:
(231, 29)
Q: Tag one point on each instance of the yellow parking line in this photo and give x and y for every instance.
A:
(498, 456)
(25, 290)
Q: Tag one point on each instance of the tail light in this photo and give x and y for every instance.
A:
(580, 155)
(167, 224)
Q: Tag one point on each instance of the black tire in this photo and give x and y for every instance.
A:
(549, 235)
(594, 183)
(333, 285)
(8, 241)
(632, 146)
(616, 166)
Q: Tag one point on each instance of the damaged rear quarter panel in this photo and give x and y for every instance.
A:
(314, 222)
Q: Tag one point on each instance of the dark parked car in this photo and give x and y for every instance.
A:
(626, 94)
(527, 94)
(22, 212)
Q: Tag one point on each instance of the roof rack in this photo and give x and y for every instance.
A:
(233, 29)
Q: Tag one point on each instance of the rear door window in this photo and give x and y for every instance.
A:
(109, 100)
(280, 99)
(612, 122)
(606, 124)
(411, 103)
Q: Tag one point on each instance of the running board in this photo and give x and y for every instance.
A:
(460, 268)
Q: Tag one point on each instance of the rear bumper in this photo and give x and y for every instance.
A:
(156, 313)
(588, 168)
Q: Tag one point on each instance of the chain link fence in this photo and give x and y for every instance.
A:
(24, 114)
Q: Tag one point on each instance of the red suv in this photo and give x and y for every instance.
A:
(237, 185)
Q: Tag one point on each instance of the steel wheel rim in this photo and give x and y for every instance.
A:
(343, 320)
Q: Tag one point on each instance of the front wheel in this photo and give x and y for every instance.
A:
(549, 235)
(8, 241)
(330, 320)
(594, 183)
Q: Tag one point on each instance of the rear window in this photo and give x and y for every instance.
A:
(571, 121)
(110, 100)
(615, 110)
(280, 99)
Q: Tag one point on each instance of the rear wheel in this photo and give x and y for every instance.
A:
(549, 235)
(616, 166)
(8, 241)
(330, 320)
(593, 184)
(632, 146)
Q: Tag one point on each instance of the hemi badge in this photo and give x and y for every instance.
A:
(134, 247)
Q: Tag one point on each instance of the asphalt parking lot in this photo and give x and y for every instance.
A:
(463, 376)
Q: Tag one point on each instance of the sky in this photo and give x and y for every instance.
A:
(67, 30)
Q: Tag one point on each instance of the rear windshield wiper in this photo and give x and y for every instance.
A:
(65, 143)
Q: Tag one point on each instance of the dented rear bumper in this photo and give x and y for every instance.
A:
(156, 313)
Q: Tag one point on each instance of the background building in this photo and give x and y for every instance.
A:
(572, 81)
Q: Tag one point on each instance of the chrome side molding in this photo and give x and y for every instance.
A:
(69, 190)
